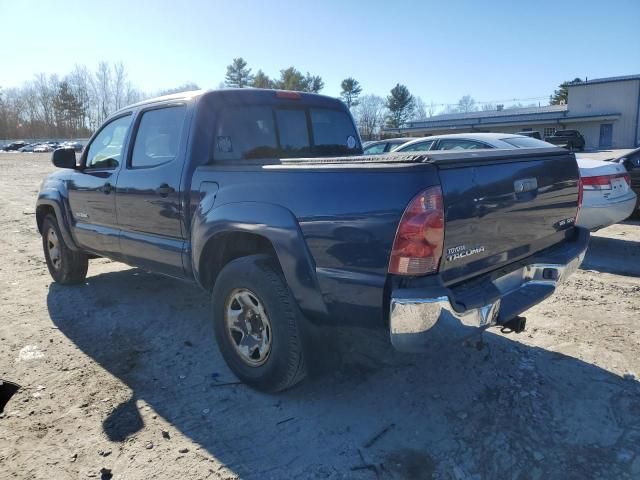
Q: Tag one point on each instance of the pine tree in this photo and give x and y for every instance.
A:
(238, 75)
(351, 90)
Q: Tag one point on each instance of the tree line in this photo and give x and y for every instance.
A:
(73, 106)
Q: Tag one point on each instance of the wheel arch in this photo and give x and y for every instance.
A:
(51, 205)
(239, 229)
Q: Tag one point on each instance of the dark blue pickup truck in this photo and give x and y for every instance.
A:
(265, 200)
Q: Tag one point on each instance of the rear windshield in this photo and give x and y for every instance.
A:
(256, 132)
(526, 142)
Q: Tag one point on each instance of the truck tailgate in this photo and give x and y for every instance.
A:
(503, 206)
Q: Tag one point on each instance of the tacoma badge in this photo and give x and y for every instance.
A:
(461, 251)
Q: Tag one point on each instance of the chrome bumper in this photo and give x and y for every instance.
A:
(420, 319)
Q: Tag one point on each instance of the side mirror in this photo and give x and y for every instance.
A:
(64, 158)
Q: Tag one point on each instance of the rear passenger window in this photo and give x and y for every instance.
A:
(418, 147)
(460, 144)
(158, 137)
(375, 149)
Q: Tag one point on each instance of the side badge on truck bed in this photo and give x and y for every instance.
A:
(461, 251)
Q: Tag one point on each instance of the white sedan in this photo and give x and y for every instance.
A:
(607, 196)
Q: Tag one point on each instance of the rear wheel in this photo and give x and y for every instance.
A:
(258, 325)
(66, 266)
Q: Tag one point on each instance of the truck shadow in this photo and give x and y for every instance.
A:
(499, 410)
(613, 255)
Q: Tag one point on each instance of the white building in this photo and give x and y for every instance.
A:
(605, 110)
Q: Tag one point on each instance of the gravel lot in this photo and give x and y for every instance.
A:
(121, 377)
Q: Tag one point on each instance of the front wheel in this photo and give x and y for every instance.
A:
(66, 266)
(258, 325)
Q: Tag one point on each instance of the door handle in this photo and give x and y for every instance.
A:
(106, 188)
(164, 190)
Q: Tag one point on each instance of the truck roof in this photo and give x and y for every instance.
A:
(253, 93)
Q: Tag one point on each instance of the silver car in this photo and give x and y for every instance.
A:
(607, 194)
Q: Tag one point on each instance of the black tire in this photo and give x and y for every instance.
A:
(285, 364)
(66, 266)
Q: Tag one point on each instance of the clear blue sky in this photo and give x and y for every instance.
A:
(492, 50)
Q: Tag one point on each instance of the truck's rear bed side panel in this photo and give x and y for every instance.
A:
(348, 217)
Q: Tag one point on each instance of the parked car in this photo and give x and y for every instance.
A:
(569, 139)
(530, 133)
(77, 146)
(14, 146)
(471, 141)
(383, 146)
(631, 162)
(43, 148)
(28, 148)
(607, 196)
(264, 199)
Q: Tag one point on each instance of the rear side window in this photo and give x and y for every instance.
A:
(256, 132)
(418, 147)
(158, 137)
(526, 142)
(460, 144)
(375, 149)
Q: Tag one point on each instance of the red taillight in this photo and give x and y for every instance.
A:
(417, 248)
(603, 182)
(288, 94)
(580, 195)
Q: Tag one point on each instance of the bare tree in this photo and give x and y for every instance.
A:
(185, 87)
(101, 86)
(419, 109)
(80, 83)
(369, 115)
(467, 104)
(119, 86)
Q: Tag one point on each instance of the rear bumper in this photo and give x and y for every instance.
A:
(600, 215)
(422, 318)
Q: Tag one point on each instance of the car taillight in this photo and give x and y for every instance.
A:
(580, 196)
(417, 248)
(603, 182)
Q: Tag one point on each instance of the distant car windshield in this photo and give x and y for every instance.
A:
(255, 131)
(526, 142)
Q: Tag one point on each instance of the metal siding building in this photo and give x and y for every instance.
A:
(606, 111)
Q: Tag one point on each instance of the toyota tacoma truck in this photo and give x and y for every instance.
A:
(264, 199)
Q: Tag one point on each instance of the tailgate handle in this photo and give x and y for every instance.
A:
(526, 188)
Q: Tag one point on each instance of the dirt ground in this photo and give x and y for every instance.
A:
(121, 378)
